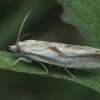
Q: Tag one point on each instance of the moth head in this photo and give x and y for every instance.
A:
(13, 48)
(16, 48)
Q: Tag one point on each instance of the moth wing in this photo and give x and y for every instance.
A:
(63, 55)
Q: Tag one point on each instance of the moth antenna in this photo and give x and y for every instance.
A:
(22, 26)
(24, 36)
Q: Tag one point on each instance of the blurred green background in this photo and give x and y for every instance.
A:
(45, 24)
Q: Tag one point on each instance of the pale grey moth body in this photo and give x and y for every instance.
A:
(63, 55)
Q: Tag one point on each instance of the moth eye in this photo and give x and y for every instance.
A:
(18, 50)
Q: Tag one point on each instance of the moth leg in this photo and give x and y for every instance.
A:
(23, 59)
(43, 66)
(38, 62)
(69, 72)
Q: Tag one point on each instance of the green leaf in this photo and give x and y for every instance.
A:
(88, 77)
(85, 16)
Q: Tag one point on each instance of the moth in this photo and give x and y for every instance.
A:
(59, 54)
